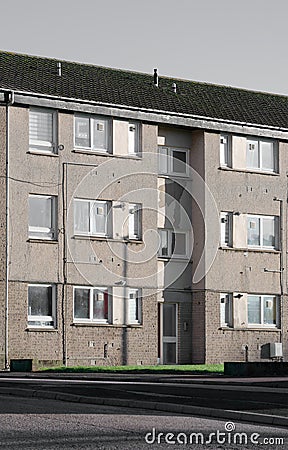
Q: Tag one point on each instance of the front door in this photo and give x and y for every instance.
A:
(169, 339)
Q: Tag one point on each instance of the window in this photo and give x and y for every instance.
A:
(42, 130)
(261, 155)
(225, 150)
(92, 133)
(134, 138)
(134, 221)
(173, 161)
(262, 231)
(263, 310)
(92, 304)
(226, 310)
(134, 306)
(173, 244)
(42, 217)
(226, 229)
(91, 217)
(42, 305)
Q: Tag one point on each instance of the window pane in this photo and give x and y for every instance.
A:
(40, 300)
(100, 305)
(225, 150)
(226, 309)
(98, 214)
(82, 131)
(133, 138)
(267, 155)
(133, 306)
(169, 320)
(179, 244)
(252, 154)
(254, 309)
(179, 162)
(81, 303)
(268, 225)
(41, 127)
(40, 212)
(134, 221)
(100, 134)
(269, 307)
(253, 231)
(81, 216)
(226, 228)
(163, 243)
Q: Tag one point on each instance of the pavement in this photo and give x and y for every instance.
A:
(277, 385)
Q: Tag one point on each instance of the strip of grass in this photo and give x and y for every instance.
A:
(198, 369)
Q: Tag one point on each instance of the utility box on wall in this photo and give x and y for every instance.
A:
(276, 350)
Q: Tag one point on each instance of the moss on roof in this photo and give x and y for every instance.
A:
(113, 86)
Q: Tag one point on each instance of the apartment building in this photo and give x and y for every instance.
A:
(143, 218)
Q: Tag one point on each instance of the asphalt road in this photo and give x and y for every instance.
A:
(48, 424)
(240, 398)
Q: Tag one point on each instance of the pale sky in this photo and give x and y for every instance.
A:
(237, 43)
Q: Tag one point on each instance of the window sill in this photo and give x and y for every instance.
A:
(38, 152)
(109, 325)
(172, 175)
(248, 249)
(175, 258)
(257, 172)
(99, 153)
(278, 330)
(43, 241)
(42, 329)
(107, 239)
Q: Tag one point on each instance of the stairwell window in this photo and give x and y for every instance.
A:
(173, 161)
(43, 130)
(42, 217)
(92, 304)
(263, 232)
(92, 133)
(173, 244)
(262, 155)
(263, 310)
(42, 305)
(92, 217)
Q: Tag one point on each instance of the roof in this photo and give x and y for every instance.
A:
(112, 86)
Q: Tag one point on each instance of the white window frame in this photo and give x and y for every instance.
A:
(107, 130)
(43, 319)
(262, 299)
(101, 290)
(108, 219)
(134, 138)
(135, 296)
(169, 234)
(135, 221)
(49, 146)
(276, 231)
(45, 233)
(165, 158)
(226, 229)
(225, 150)
(226, 309)
(259, 142)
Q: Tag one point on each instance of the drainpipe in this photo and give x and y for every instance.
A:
(281, 232)
(9, 100)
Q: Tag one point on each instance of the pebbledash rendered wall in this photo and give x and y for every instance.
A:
(239, 270)
(68, 175)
